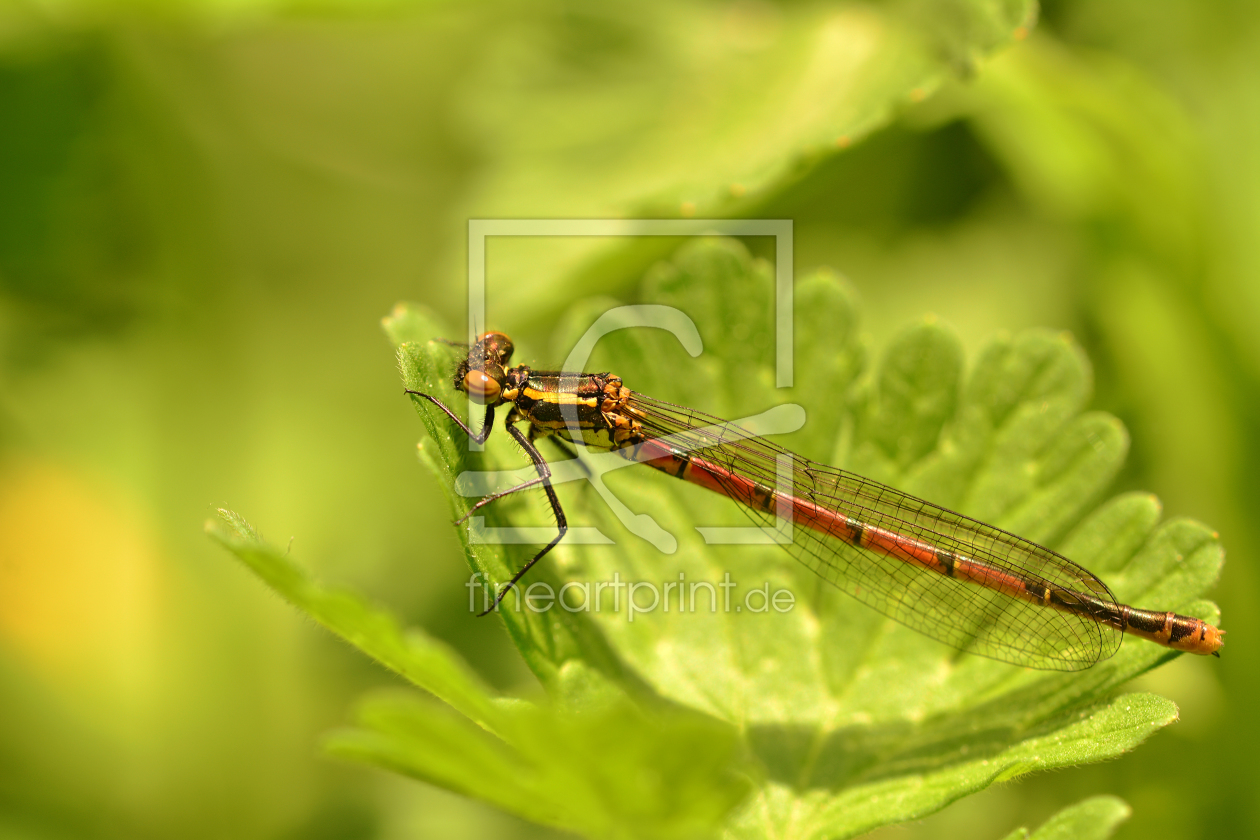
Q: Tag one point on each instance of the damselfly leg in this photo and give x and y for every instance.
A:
(543, 479)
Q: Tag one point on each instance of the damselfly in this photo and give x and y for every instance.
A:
(967, 584)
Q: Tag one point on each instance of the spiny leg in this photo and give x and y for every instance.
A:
(525, 485)
(494, 497)
(562, 524)
(544, 476)
(480, 437)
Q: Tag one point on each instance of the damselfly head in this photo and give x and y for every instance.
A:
(483, 373)
(496, 345)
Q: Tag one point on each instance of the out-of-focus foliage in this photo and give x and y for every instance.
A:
(1094, 818)
(205, 208)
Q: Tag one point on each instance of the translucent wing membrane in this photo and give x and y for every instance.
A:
(967, 584)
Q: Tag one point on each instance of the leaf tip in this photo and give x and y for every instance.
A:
(236, 527)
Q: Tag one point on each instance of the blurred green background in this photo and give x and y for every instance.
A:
(205, 210)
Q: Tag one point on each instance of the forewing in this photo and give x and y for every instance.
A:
(980, 619)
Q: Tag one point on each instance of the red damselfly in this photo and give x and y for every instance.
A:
(967, 584)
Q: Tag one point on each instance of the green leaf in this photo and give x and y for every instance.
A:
(850, 721)
(411, 654)
(614, 769)
(917, 392)
(1093, 819)
(612, 773)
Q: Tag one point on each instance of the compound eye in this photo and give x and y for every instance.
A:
(481, 387)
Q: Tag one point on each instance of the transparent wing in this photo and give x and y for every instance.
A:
(977, 617)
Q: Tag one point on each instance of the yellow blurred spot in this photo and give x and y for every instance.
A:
(843, 141)
(687, 209)
(1020, 33)
(737, 190)
(917, 95)
(77, 576)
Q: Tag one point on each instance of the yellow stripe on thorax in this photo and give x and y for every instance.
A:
(559, 398)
